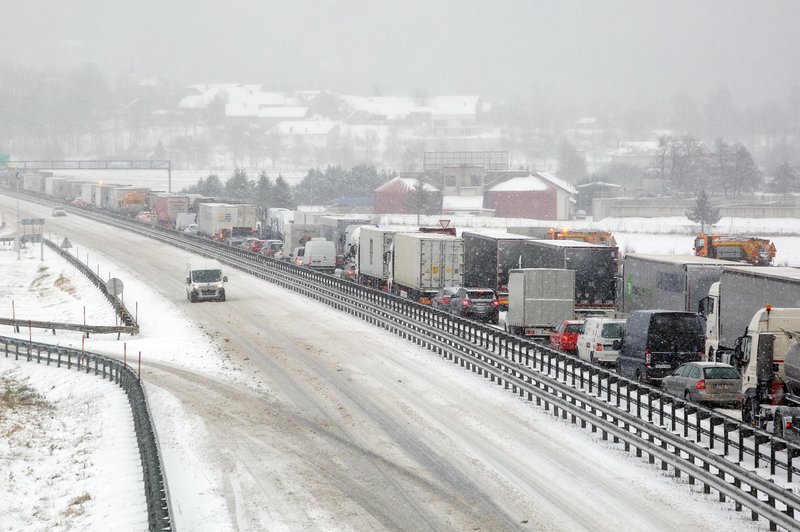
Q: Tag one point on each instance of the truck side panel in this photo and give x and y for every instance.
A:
(540, 296)
(668, 285)
(374, 252)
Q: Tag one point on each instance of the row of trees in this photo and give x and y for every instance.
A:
(318, 187)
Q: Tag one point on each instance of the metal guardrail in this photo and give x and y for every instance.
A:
(122, 312)
(54, 325)
(158, 510)
(645, 418)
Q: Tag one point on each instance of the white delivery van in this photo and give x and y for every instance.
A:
(320, 254)
(600, 340)
(204, 281)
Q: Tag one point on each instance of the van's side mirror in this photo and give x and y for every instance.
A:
(188, 280)
(224, 278)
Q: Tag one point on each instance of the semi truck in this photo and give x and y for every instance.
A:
(422, 263)
(374, 256)
(538, 300)
(488, 259)
(214, 219)
(768, 357)
(740, 292)
(669, 282)
(595, 269)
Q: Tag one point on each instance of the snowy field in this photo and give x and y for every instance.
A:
(47, 447)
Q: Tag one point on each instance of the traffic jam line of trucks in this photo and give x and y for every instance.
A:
(545, 279)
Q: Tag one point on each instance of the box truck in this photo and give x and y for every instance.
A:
(215, 218)
(538, 300)
(422, 263)
(488, 258)
(595, 268)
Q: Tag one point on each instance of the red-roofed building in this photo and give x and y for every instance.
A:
(396, 197)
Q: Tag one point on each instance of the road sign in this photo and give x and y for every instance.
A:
(32, 221)
(66, 244)
(114, 286)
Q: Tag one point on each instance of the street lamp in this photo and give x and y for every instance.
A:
(19, 243)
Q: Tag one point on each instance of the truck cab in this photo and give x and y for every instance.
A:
(760, 355)
(204, 281)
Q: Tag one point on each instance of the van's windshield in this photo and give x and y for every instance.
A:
(206, 276)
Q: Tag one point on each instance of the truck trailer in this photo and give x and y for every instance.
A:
(668, 282)
(538, 300)
(740, 292)
(595, 269)
(215, 218)
(488, 259)
(422, 263)
(374, 256)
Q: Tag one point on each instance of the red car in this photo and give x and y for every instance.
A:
(566, 336)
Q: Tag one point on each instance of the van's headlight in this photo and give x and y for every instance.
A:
(219, 285)
(195, 286)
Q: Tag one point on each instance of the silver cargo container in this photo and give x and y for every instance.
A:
(668, 282)
(422, 263)
(374, 257)
(213, 218)
(743, 290)
(538, 300)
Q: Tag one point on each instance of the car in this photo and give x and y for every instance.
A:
(656, 342)
(59, 211)
(235, 241)
(296, 257)
(443, 298)
(271, 247)
(254, 244)
(190, 229)
(565, 338)
(713, 383)
(477, 304)
(347, 271)
(601, 339)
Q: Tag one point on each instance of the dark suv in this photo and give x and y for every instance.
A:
(656, 342)
(476, 303)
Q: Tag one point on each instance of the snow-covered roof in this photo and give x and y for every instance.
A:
(598, 184)
(411, 183)
(303, 127)
(391, 107)
(586, 121)
(462, 203)
(283, 112)
(556, 181)
(453, 105)
(635, 149)
(521, 183)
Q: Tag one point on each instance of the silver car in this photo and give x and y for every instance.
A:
(705, 382)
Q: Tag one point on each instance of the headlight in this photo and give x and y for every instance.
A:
(219, 285)
(195, 286)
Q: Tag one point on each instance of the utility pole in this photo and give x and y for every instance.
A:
(19, 243)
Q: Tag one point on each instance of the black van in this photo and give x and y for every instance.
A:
(655, 342)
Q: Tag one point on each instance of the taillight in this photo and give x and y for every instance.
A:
(788, 423)
(701, 384)
(465, 302)
(598, 347)
(648, 357)
(445, 300)
(495, 303)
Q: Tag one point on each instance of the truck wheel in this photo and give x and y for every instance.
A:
(777, 423)
(749, 409)
(591, 357)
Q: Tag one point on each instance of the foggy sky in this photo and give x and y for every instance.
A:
(580, 51)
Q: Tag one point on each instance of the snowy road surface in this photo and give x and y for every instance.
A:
(277, 413)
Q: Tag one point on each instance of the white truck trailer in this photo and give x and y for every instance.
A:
(538, 300)
(216, 218)
(374, 256)
(422, 263)
(741, 292)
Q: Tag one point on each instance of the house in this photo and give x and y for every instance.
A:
(312, 134)
(397, 197)
(539, 196)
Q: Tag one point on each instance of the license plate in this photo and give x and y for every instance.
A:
(663, 366)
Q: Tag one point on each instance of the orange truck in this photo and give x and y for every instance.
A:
(602, 238)
(751, 250)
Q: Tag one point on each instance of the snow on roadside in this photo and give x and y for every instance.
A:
(68, 453)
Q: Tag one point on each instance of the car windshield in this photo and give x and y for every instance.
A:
(480, 294)
(612, 330)
(721, 373)
(574, 328)
(206, 276)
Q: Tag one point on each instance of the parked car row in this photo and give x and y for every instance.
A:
(656, 347)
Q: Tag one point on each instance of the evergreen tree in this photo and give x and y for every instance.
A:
(746, 175)
(785, 178)
(703, 212)
(571, 164)
(264, 190)
(239, 186)
(423, 201)
(282, 194)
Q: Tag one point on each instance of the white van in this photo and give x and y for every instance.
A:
(599, 343)
(204, 281)
(320, 254)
